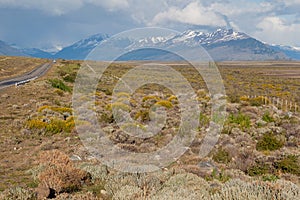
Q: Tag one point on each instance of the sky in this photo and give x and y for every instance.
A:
(49, 24)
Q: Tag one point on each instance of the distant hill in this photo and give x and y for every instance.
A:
(7, 50)
(34, 52)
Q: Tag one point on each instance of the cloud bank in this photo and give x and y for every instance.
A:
(272, 21)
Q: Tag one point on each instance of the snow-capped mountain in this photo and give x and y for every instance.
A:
(82, 48)
(221, 45)
(199, 38)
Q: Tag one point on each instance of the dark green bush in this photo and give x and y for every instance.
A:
(289, 164)
(222, 156)
(69, 72)
(59, 84)
(258, 169)
(269, 142)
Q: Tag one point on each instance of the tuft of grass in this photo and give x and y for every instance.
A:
(267, 117)
(242, 120)
(269, 142)
(270, 177)
(59, 84)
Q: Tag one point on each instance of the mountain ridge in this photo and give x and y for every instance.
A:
(222, 45)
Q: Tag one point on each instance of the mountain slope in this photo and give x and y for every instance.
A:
(81, 49)
(37, 53)
(222, 45)
(7, 50)
(291, 52)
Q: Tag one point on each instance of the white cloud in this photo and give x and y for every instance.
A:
(257, 18)
(276, 30)
(194, 13)
(111, 4)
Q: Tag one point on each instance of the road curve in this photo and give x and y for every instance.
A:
(37, 72)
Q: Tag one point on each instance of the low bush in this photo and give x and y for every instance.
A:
(59, 84)
(289, 164)
(60, 110)
(220, 176)
(151, 97)
(143, 115)
(59, 173)
(54, 125)
(258, 169)
(270, 177)
(68, 72)
(267, 117)
(164, 103)
(242, 120)
(269, 142)
(221, 156)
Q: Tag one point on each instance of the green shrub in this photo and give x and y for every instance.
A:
(69, 72)
(270, 177)
(222, 156)
(289, 164)
(267, 117)
(242, 120)
(59, 84)
(269, 142)
(258, 169)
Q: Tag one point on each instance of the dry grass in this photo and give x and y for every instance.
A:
(16, 66)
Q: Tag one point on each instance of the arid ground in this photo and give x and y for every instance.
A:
(256, 157)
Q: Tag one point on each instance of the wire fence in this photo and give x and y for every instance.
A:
(282, 104)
